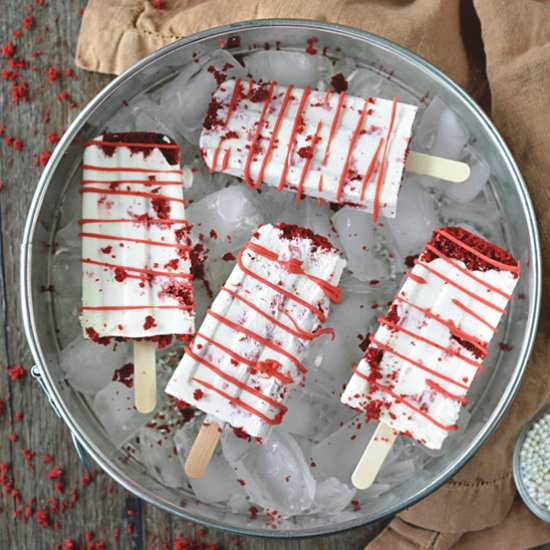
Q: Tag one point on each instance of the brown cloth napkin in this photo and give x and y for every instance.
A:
(499, 51)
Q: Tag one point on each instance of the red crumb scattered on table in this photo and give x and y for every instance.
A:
(53, 74)
(16, 373)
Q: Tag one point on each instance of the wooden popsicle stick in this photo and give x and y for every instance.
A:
(441, 168)
(202, 450)
(145, 377)
(374, 456)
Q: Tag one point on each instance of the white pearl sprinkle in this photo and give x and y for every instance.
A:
(535, 462)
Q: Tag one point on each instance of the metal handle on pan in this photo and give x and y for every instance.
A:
(84, 457)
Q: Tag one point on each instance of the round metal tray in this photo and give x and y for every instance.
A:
(520, 236)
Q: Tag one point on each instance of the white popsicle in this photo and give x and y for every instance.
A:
(333, 146)
(420, 363)
(248, 351)
(135, 262)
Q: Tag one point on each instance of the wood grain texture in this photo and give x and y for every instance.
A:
(103, 507)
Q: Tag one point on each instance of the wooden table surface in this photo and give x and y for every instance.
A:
(107, 510)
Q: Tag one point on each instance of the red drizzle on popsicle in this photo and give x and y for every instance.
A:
(307, 162)
(353, 140)
(334, 125)
(292, 139)
(260, 92)
(274, 133)
(254, 142)
(382, 171)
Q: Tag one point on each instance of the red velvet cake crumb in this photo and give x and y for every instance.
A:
(472, 261)
(474, 350)
(161, 207)
(292, 232)
(339, 83)
(180, 291)
(149, 322)
(198, 394)
(125, 375)
(241, 434)
(95, 337)
(211, 120)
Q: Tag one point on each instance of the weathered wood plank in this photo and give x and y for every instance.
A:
(99, 507)
(103, 506)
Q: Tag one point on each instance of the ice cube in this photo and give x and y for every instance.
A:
(358, 236)
(203, 299)
(416, 218)
(218, 269)
(396, 472)
(482, 213)
(469, 189)
(238, 503)
(440, 132)
(338, 454)
(373, 83)
(301, 417)
(89, 366)
(344, 66)
(365, 83)
(114, 407)
(122, 120)
(66, 282)
(352, 319)
(184, 100)
(312, 416)
(332, 496)
(159, 455)
(150, 117)
(275, 472)
(293, 212)
(317, 217)
(205, 183)
(285, 67)
(219, 483)
(142, 114)
(226, 219)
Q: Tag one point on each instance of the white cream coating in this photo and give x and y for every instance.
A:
(245, 118)
(410, 381)
(326, 264)
(100, 288)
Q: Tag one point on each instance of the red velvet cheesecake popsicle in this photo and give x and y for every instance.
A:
(136, 269)
(333, 146)
(430, 346)
(249, 349)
